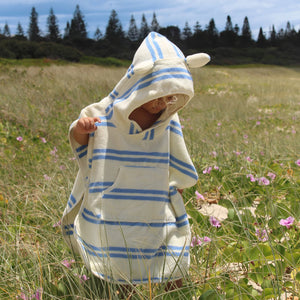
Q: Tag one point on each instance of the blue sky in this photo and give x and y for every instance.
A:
(260, 13)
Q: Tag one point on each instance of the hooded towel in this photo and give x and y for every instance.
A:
(125, 215)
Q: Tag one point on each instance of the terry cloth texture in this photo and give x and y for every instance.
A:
(125, 216)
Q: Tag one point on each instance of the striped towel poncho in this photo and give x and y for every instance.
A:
(125, 216)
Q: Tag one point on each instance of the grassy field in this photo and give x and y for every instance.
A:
(242, 130)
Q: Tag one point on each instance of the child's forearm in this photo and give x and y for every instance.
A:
(82, 139)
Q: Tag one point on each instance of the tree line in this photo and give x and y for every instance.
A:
(226, 45)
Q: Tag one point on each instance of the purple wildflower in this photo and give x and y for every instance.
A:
(214, 222)
(19, 139)
(297, 162)
(43, 140)
(288, 222)
(37, 294)
(262, 235)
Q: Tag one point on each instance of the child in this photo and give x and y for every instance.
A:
(125, 215)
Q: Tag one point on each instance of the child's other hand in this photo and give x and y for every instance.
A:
(87, 125)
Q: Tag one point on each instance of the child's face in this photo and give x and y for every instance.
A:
(157, 105)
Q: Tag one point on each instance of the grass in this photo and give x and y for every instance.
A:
(241, 121)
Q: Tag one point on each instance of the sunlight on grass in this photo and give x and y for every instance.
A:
(242, 130)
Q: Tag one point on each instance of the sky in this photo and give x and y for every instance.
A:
(260, 13)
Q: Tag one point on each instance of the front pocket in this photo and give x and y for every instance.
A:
(139, 194)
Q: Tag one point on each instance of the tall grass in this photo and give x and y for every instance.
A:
(241, 121)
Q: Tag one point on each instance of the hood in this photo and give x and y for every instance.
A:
(158, 69)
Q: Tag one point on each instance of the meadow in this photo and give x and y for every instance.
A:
(242, 130)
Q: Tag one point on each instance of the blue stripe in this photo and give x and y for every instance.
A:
(90, 213)
(127, 223)
(72, 198)
(184, 216)
(95, 191)
(79, 149)
(136, 198)
(151, 134)
(107, 124)
(156, 46)
(131, 129)
(176, 124)
(151, 50)
(131, 159)
(101, 183)
(140, 191)
(193, 175)
(149, 76)
(174, 130)
(81, 155)
(188, 166)
(146, 135)
(127, 152)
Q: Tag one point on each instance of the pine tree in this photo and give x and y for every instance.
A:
(98, 35)
(246, 37)
(78, 26)
(261, 39)
(212, 33)
(33, 30)
(133, 33)
(228, 37)
(114, 31)
(20, 31)
(67, 30)
(273, 36)
(154, 24)
(144, 30)
(6, 30)
(228, 26)
(197, 28)
(53, 29)
(187, 31)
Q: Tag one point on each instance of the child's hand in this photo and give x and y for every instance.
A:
(87, 125)
(82, 129)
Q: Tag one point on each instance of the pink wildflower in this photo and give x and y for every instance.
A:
(249, 159)
(263, 181)
(271, 175)
(43, 140)
(62, 167)
(47, 177)
(214, 222)
(207, 170)
(237, 153)
(219, 124)
(37, 294)
(57, 224)
(68, 264)
(53, 152)
(19, 139)
(297, 162)
(288, 222)
(258, 123)
(199, 196)
(252, 178)
(198, 241)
